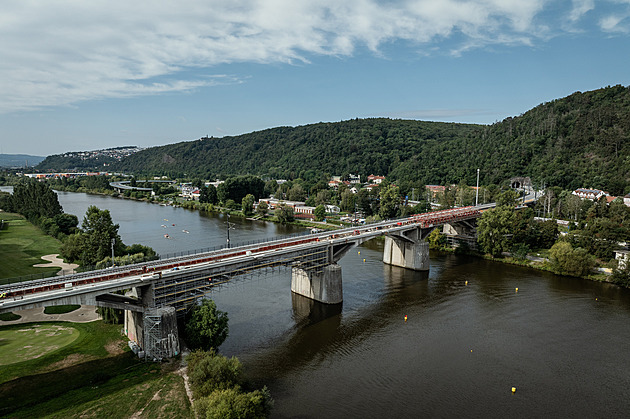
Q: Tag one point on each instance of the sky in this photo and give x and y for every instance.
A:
(80, 75)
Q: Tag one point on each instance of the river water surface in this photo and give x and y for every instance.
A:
(468, 339)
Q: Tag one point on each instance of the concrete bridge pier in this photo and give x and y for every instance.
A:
(324, 286)
(406, 254)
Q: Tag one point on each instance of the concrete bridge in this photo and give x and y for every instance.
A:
(171, 285)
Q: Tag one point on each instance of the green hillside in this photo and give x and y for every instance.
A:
(577, 141)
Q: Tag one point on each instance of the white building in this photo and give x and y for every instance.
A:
(592, 194)
(622, 258)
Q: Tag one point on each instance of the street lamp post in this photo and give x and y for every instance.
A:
(477, 192)
(228, 231)
(113, 242)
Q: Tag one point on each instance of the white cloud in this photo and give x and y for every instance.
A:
(59, 52)
(580, 8)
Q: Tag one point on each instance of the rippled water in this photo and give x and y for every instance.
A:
(562, 342)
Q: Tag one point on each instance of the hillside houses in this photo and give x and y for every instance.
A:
(596, 194)
(592, 194)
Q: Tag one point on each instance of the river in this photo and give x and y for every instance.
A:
(469, 337)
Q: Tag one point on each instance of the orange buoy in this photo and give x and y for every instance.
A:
(405, 317)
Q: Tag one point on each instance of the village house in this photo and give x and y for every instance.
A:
(304, 212)
(272, 203)
(376, 179)
(189, 192)
(592, 194)
(334, 184)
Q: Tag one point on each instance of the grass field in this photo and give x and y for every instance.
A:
(94, 375)
(22, 245)
(34, 340)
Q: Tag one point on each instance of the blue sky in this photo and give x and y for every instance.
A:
(77, 75)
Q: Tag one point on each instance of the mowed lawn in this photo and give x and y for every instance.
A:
(95, 375)
(33, 340)
(22, 245)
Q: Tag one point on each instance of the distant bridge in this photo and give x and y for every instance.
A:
(125, 185)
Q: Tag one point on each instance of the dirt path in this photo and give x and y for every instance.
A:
(183, 371)
(54, 260)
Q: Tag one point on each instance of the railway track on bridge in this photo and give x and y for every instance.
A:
(156, 269)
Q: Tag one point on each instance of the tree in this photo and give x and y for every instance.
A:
(296, 193)
(548, 233)
(319, 212)
(206, 327)
(507, 199)
(436, 239)
(99, 232)
(262, 208)
(248, 204)
(208, 194)
(364, 202)
(390, 202)
(323, 197)
(270, 187)
(565, 260)
(67, 223)
(284, 214)
(235, 188)
(72, 246)
(494, 229)
(146, 251)
(347, 201)
(34, 200)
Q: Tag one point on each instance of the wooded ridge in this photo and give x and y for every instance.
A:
(577, 141)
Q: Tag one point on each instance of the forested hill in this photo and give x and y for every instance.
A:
(365, 146)
(577, 141)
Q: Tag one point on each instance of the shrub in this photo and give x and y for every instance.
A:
(232, 404)
(566, 260)
(209, 371)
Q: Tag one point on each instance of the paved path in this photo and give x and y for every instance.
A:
(83, 314)
(54, 260)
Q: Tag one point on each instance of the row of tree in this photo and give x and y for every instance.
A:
(91, 244)
(40, 205)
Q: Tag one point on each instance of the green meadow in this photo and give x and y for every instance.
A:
(22, 245)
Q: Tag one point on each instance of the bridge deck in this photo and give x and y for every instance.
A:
(180, 280)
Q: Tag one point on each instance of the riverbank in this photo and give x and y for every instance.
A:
(543, 264)
(211, 208)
